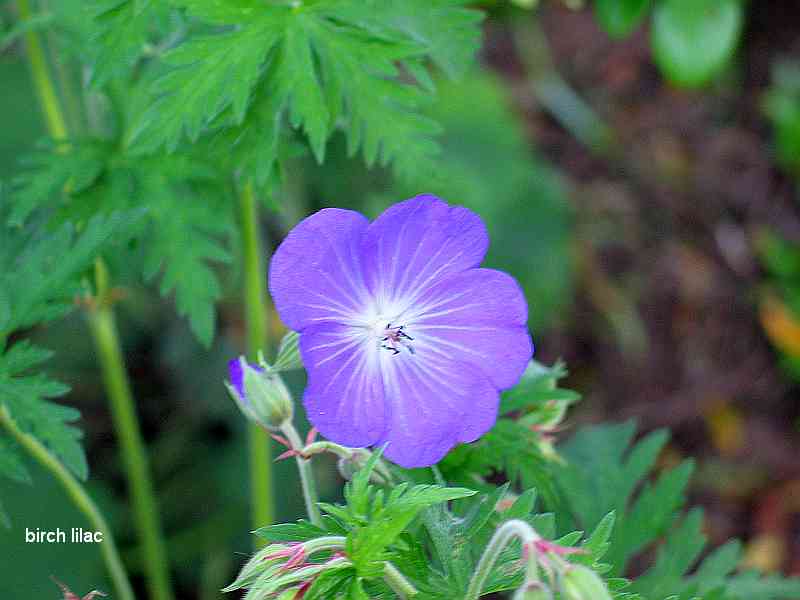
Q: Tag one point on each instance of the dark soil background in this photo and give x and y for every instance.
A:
(666, 325)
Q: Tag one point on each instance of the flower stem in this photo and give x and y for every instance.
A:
(45, 89)
(397, 581)
(79, 497)
(263, 509)
(126, 425)
(509, 530)
(306, 475)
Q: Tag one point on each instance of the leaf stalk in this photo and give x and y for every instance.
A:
(306, 475)
(123, 413)
(262, 502)
(507, 532)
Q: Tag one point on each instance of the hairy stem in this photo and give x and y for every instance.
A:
(79, 497)
(101, 322)
(509, 530)
(306, 475)
(134, 457)
(397, 581)
(262, 502)
(45, 90)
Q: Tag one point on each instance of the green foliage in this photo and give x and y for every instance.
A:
(186, 213)
(121, 32)
(26, 396)
(434, 535)
(320, 65)
(620, 17)
(459, 536)
(39, 281)
(693, 40)
(607, 471)
(375, 522)
(39, 270)
(375, 518)
(602, 460)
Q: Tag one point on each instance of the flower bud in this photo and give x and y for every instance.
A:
(534, 590)
(260, 394)
(581, 583)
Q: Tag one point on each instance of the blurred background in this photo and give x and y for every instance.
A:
(655, 229)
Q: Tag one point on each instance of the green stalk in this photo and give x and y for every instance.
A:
(503, 536)
(45, 89)
(145, 510)
(306, 475)
(103, 328)
(79, 497)
(398, 582)
(262, 502)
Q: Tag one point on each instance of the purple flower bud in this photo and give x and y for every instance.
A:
(260, 394)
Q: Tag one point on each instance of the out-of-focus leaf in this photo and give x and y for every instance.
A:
(693, 40)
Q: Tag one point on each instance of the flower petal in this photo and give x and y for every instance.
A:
(435, 404)
(316, 274)
(344, 398)
(477, 317)
(414, 242)
(236, 373)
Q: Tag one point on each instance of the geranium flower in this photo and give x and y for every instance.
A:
(407, 342)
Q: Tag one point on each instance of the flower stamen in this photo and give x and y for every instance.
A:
(395, 338)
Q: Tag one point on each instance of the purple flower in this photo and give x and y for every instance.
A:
(406, 341)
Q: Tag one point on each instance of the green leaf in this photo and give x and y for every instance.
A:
(329, 584)
(253, 146)
(537, 389)
(42, 269)
(322, 65)
(11, 463)
(188, 223)
(603, 471)
(209, 74)
(751, 586)
(26, 396)
(693, 40)
(681, 549)
(52, 176)
(620, 17)
(121, 31)
(449, 32)
(651, 512)
(366, 544)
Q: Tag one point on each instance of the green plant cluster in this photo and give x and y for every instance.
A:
(605, 498)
